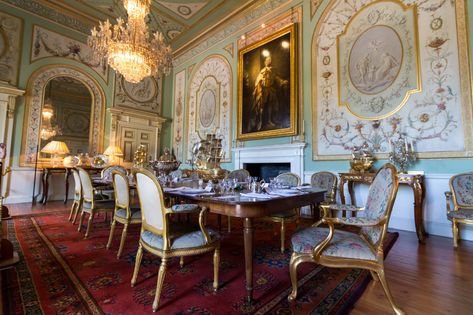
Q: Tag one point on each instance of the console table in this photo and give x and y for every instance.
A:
(415, 181)
(48, 170)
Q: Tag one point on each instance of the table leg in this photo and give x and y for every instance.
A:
(45, 184)
(419, 194)
(248, 243)
(66, 178)
(341, 188)
(351, 192)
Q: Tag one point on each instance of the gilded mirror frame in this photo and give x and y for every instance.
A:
(35, 91)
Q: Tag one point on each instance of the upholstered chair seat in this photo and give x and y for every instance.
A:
(344, 249)
(185, 207)
(344, 244)
(135, 213)
(187, 240)
(460, 202)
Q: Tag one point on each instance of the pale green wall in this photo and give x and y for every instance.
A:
(308, 26)
(27, 68)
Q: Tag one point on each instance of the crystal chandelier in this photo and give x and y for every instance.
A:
(131, 50)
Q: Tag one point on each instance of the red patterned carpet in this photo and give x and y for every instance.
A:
(61, 273)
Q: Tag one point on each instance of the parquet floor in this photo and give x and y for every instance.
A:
(430, 278)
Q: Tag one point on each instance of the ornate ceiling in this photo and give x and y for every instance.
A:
(178, 20)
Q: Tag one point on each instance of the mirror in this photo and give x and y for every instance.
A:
(66, 114)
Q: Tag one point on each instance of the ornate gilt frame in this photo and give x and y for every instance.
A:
(33, 103)
(292, 130)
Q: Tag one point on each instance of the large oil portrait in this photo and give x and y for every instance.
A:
(267, 86)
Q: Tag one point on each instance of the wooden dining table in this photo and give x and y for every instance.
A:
(249, 209)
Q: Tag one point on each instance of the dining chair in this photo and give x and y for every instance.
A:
(106, 178)
(77, 203)
(89, 204)
(343, 249)
(460, 202)
(123, 212)
(290, 215)
(241, 176)
(327, 181)
(165, 239)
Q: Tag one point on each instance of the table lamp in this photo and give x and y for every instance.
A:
(55, 148)
(113, 152)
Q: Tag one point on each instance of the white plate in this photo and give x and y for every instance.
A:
(284, 192)
(192, 191)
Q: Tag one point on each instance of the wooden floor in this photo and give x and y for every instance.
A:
(430, 278)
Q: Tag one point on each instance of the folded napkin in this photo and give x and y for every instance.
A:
(258, 196)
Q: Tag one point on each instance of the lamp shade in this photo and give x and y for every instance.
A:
(55, 147)
(113, 150)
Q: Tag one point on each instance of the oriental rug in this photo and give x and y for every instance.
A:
(61, 273)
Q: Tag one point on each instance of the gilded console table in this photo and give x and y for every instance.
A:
(414, 180)
(46, 173)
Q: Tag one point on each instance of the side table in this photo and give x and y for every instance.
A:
(414, 180)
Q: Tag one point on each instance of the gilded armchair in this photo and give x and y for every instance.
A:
(460, 202)
(291, 215)
(342, 249)
(165, 239)
(123, 212)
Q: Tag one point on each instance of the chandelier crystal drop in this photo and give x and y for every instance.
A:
(130, 48)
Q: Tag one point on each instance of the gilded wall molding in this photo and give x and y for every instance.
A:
(33, 106)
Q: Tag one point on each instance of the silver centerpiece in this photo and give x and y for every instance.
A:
(402, 153)
(166, 163)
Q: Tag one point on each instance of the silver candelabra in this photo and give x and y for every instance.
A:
(402, 153)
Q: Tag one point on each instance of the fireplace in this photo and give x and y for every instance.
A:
(267, 170)
(289, 156)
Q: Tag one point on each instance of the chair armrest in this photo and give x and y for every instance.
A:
(184, 208)
(356, 221)
(202, 221)
(340, 207)
(448, 200)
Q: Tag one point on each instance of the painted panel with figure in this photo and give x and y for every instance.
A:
(267, 86)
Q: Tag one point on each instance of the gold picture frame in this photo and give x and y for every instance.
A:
(267, 86)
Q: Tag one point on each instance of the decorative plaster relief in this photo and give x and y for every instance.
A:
(438, 119)
(210, 103)
(34, 101)
(144, 96)
(11, 30)
(47, 43)
(184, 10)
(178, 119)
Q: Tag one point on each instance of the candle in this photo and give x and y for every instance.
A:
(411, 144)
(391, 145)
(405, 145)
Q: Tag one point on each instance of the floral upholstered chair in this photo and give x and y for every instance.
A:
(327, 181)
(89, 204)
(165, 239)
(460, 197)
(123, 212)
(342, 249)
(291, 215)
(77, 203)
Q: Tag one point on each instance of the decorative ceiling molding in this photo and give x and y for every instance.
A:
(231, 27)
(184, 10)
(48, 12)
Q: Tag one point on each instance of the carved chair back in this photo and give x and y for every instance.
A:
(107, 172)
(77, 185)
(289, 178)
(461, 186)
(381, 196)
(151, 199)
(87, 188)
(327, 181)
(121, 191)
(241, 174)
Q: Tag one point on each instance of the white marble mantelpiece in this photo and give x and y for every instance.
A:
(292, 153)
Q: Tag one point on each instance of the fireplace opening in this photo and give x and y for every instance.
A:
(267, 170)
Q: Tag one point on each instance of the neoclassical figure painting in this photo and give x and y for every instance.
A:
(267, 86)
(209, 103)
(377, 61)
(378, 72)
(145, 95)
